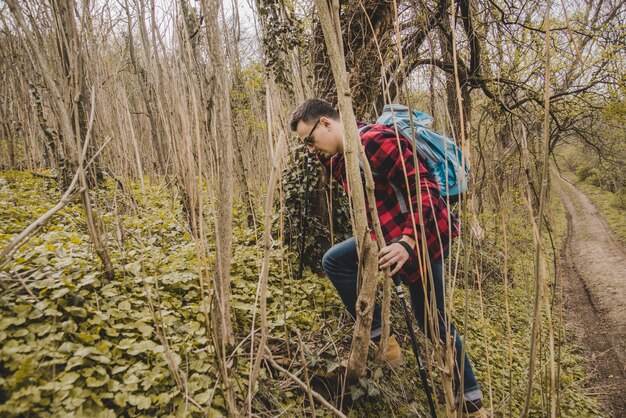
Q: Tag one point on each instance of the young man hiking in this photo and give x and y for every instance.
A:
(318, 124)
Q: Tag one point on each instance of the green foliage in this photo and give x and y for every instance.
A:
(599, 177)
(318, 231)
(82, 346)
(282, 32)
(603, 182)
(604, 166)
(583, 172)
(619, 200)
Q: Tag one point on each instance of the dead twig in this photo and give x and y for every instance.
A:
(263, 276)
(42, 175)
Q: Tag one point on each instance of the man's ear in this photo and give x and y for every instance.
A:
(325, 121)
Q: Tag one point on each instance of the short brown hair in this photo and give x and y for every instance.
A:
(310, 110)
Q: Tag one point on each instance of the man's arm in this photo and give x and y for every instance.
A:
(386, 157)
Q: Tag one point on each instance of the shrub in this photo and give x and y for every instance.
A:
(583, 172)
(619, 199)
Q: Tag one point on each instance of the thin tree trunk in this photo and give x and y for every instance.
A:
(71, 55)
(54, 149)
(232, 52)
(146, 95)
(8, 136)
(224, 218)
(263, 276)
(242, 175)
(223, 223)
(6, 125)
(329, 19)
(91, 217)
(540, 273)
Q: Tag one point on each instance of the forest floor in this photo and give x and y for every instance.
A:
(593, 273)
(75, 344)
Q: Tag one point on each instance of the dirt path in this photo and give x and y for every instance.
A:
(593, 272)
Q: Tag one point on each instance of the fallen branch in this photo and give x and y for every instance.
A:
(309, 391)
(32, 229)
(45, 176)
(70, 193)
(25, 286)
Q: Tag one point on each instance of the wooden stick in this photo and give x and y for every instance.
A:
(328, 12)
(31, 229)
(42, 175)
(265, 269)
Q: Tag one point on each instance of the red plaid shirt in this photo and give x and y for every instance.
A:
(385, 158)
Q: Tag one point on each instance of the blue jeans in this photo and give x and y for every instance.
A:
(341, 264)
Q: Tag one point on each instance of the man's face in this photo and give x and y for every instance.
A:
(324, 136)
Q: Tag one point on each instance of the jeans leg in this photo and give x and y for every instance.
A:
(341, 263)
(471, 389)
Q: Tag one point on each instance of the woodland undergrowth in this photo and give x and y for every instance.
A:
(74, 344)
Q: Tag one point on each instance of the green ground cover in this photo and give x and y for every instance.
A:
(73, 344)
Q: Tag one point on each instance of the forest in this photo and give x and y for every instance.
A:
(164, 231)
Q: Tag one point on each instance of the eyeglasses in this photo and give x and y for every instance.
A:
(308, 140)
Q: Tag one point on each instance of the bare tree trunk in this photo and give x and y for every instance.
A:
(329, 19)
(8, 136)
(367, 26)
(243, 178)
(6, 125)
(223, 222)
(234, 59)
(265, 269)
(224, 218)
(91, 217)
(69, 50)
(451, 93)
(54, 149)
(72, 58)
(92, 220)
(147, 93)
(540, 268)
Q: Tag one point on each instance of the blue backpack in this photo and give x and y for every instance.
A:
(442, 157)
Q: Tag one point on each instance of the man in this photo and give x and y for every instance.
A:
(318, 124)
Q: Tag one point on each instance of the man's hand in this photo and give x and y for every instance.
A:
(394, 254)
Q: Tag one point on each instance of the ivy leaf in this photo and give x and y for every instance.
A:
(242, 306)
(140, 401)
(69, 378)
(332, 365)
(93, 382)
(356, 392)
(121, 398)
(59, 293)
(145, 329)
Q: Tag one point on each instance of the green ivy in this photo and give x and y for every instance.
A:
(77, 345)
(318, 239)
